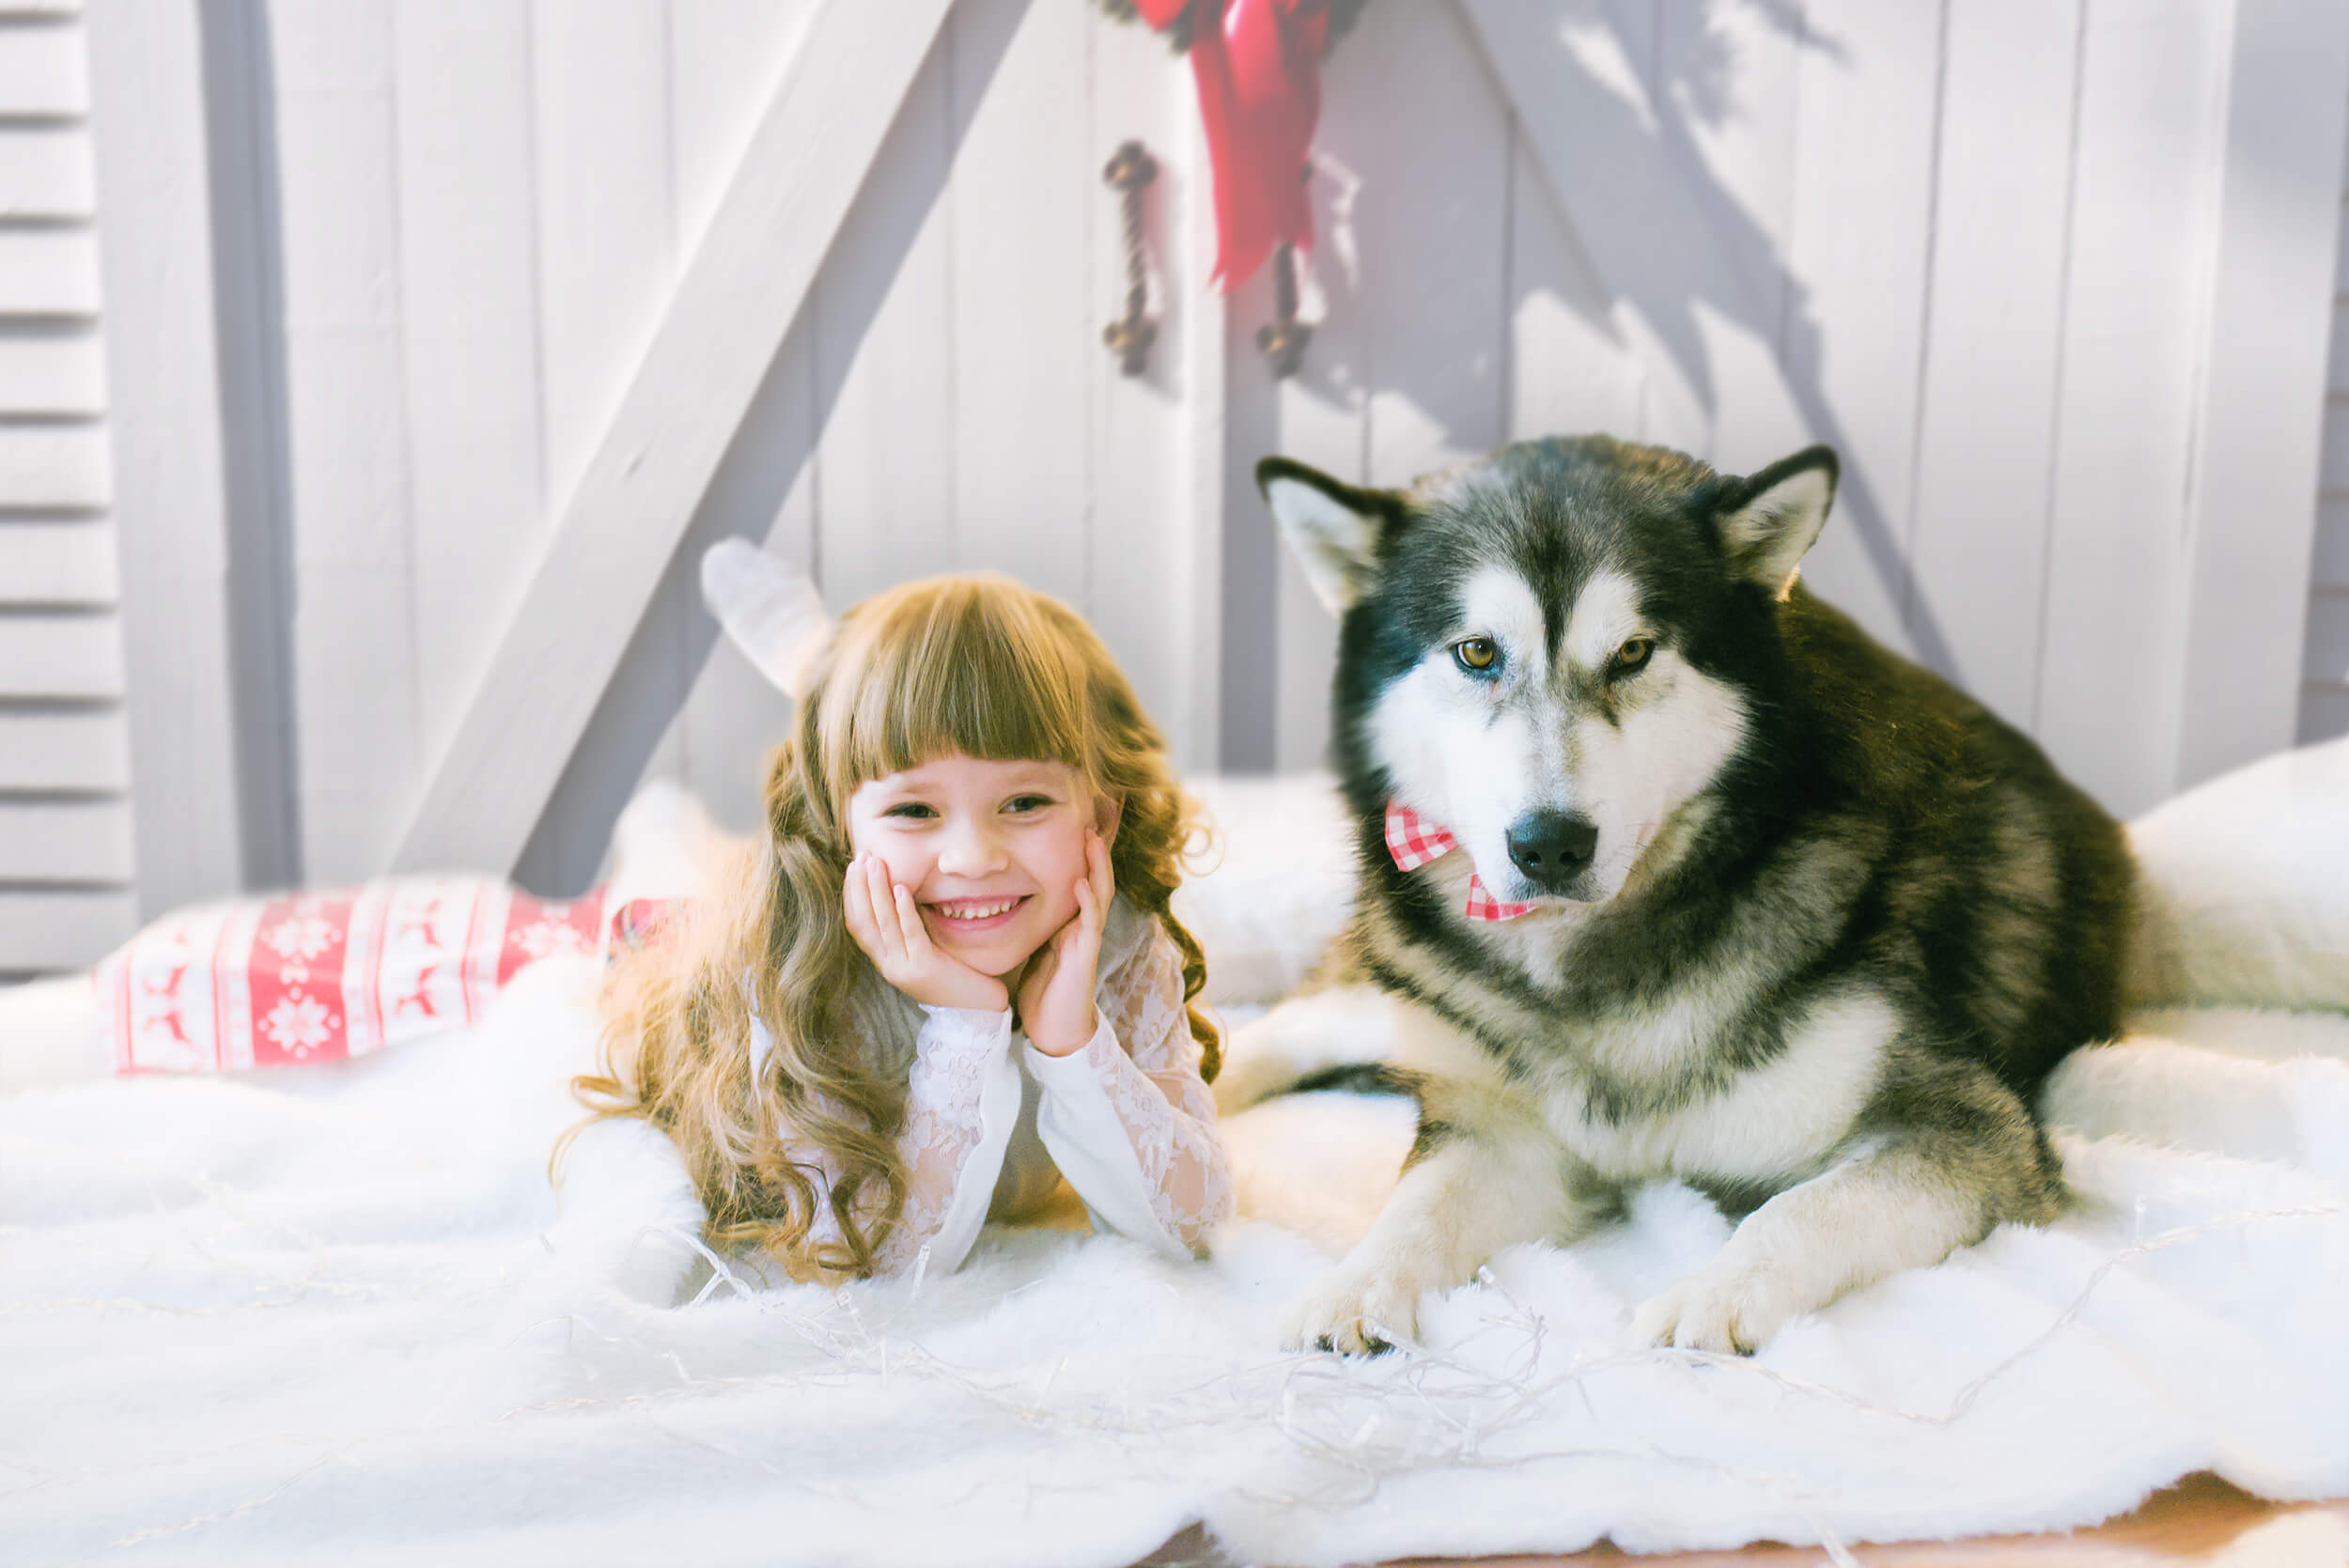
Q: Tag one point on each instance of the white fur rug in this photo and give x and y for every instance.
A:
(337, 1312)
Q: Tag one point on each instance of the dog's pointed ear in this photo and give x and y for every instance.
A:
(1333, 527)
(1768, 522)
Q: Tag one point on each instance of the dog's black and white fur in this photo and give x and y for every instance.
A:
(1811, 925)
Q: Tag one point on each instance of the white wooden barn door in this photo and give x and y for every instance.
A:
(2050, 274)
(623, 276)
(510, 306)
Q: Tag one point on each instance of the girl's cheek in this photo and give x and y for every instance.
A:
(905, 868)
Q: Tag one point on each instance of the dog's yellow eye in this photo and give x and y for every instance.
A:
(1477, 654)
(1632, 657)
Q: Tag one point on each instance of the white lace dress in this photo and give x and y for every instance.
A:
(991, 1121)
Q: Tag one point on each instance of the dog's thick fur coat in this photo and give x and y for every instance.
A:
(1811, 925)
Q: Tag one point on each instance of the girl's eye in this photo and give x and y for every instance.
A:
(1632, 657)
(1478, 654)
(909, 809)
(1027, 803)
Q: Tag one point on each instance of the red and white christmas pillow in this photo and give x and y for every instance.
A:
(321, 976)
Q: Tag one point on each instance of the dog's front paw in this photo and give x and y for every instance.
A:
(1730, 1310)
(1362, 1308)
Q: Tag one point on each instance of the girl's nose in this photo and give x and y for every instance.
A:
(972, 848)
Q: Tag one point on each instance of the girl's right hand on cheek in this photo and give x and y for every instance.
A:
(887, 923)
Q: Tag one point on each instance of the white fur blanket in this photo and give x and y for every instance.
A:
(337, 1312)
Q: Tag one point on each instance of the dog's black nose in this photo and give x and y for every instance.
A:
(1552, 847)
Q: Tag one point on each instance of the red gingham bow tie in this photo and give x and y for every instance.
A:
(1414, 842)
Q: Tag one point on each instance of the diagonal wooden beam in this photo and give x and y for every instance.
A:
(737, 297)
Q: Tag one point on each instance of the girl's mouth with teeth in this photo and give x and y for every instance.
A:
(977, 914)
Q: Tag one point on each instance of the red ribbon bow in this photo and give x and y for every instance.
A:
(1257, 64)
(1415, 842)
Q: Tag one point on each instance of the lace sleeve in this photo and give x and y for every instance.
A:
(962, 1100)
(1128, 1119)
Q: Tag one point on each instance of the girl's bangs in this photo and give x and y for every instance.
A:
(964, 664)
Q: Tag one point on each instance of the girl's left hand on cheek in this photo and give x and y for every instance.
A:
(1056, 989)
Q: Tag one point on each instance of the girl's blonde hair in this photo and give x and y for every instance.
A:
(975, 664)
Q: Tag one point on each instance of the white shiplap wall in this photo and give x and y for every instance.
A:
(1967, 240)
(1967, 243)
(2325, 673)
(65, 813)
(484, 209)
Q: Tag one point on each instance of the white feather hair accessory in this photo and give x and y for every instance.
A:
(768, 608)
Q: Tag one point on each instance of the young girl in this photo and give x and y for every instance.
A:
(949, 974)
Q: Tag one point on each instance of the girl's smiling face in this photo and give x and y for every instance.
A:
(991, 851)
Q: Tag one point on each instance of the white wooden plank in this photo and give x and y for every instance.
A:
(1320, 416)
(1724, 79)
(1021, 348)
(1569, 371)
(469, 333)
(353, 649)
(48, 271)
(1207, 454)
(58, 562)
(606, 261)
(1714, 386)
(53, 465)
(172, 511)
(324, 46)
(883, 308)
(333, 61)
(44, 70)
(2337, 362)
(2323, 714)
(357, 712)
(1987, 435)
(353, 637)
(2340, 258)
(632, 734)
(1146, 595)
(45, 172)
(736, 298)
(51, 368)
(765, 491)
(1261, 587)
(64, 748)
(64, 841)
(1436, 263)
(2325, 657)
(1866, 120)
(2331, 567)
(63, 930)
(725, 59)
(607, 256)
(2262, 380)
(65, 655)
(1329, 436)
(2149, 79)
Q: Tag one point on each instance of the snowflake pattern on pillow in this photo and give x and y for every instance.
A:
(321, 977)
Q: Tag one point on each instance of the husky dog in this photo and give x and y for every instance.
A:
(1668, 870)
